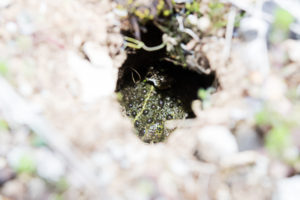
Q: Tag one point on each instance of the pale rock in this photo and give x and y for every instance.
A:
(15, 156)
(247, 138)
(183, 1)
(204, 24)
(94, 82)
(192, 19)
(216, 142)
(11, 27)
(49, 166)
(287, 189)
(274, 88)
(298, 90)
(3, 162)
(5, 3)
(97, 55)
(120, 12)
(291, 153)
(293, 49)
(13, 190)
(279, 170)
(25, 23)
(37, 189)
(253, 50)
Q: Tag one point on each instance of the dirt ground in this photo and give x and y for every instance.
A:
(63, 135)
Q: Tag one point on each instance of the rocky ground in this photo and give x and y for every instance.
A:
(63, 135)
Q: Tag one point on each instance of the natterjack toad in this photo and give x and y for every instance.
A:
(149, 103)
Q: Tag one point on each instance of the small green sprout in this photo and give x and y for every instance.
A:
(166, 13)
(205, 96)
(136, 44)
(280, 30)
(160, 5)
(278, 137)
(283, 19)
(3, 68)
(3, 125)
(193, 7)
(62, 185)
(38, 141)
(26, 164)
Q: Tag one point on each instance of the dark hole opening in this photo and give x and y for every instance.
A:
(186, 82)
(136, 68)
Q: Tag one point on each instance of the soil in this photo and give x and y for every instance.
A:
(61, 64)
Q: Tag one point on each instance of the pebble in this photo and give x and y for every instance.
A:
(247, 138)
(13, 190)
(274, 88)
(192, 19)
(25, 23)
(216, 142)
(37, 189)
(6, 174)
(287, 189)
(293, 48)
(5, 3)
(49, 166)
(97, 55)
(204, 24)
(15, 157)
(94, 82)
(183, 1)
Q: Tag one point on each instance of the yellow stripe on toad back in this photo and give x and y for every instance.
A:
(145, 103)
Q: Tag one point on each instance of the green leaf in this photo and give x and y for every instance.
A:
(38, 141)
(262, 117)
(3, 125)
(26, 164)
(203, 94)
(3, 68)
(283, 19)
(278, 139)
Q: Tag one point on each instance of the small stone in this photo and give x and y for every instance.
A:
(203, 24)
(183, 1)
(274, 88)
(5, 3)
(13, 190)
(293, 48)
(49, 166)
(94, 82)
(120, 12)
(247, 138)
(6, 174)
(216, 142)
(287, 189)
(37, 188)
(97, 55)
(11, 27)
(192, 20)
